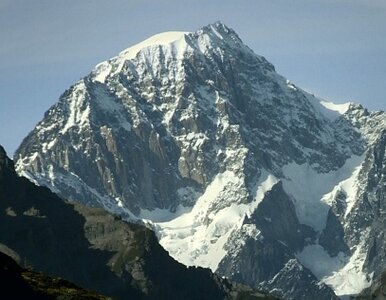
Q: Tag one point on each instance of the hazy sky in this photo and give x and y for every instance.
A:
(335, 49)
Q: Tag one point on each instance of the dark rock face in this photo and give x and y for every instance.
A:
(294, 277)
(377, 290)
(5, 162)
(271, 252)
(95, 249)
(332, 237)
(370, 213)
(276, 218)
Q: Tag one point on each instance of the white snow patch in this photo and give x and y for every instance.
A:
(164, 38)
(78, 114)
(339, 108)
(330, 110)
(216, 32)
(291, 85)
(309, 189)
(158, 215)
(47, 146)
(197, 236)
(350, 279)
(250, 230)
(21, 166)
(102, 70)
(343, 274)
(321, 264)
(350, 187)
(173, 41)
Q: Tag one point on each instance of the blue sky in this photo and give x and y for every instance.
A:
(335, 49)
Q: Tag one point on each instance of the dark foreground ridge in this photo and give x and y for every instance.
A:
(96, 250)
(19, 283)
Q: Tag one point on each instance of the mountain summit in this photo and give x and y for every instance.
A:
(235, 168)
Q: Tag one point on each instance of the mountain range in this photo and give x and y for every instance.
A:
(234, 167)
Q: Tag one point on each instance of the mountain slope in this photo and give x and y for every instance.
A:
(200, 138)
(94, 249)
(18, 283)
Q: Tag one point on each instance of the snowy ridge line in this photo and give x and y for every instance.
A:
(106, 68)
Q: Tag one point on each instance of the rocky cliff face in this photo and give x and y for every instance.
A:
(233, 166)
(377, 290)
(95, 249)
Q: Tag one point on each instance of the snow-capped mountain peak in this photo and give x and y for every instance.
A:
(174, 39)
(165, 38)
(228, 161)
(175, 44)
